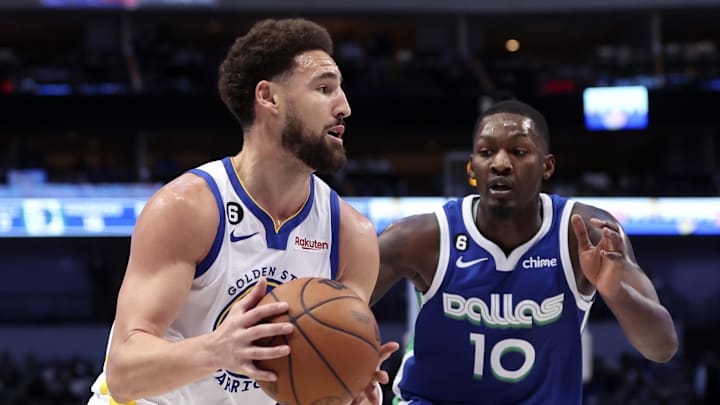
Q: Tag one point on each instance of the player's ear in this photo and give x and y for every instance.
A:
(472, 181)
(265, 95)
(548, 166)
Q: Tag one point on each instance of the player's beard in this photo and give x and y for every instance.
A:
(501, 211)
(315, 150)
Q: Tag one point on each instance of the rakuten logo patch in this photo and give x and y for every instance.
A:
(310, 244)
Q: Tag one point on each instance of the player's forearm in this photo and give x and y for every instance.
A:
(645, 322)
(145, 365)
(386, 279)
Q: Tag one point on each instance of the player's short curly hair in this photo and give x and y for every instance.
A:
(264, 53)
(519, 108)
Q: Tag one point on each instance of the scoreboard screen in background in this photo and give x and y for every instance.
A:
(28, 217)
(615, 108)
(116, 216)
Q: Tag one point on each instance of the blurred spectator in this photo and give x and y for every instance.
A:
(706, 381)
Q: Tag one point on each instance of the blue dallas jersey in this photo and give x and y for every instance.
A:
(495, 328)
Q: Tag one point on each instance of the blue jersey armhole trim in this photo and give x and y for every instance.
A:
(205, 264)
(335, 227)
(454, 214)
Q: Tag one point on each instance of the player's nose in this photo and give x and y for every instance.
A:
(342, 106)
(501, 162)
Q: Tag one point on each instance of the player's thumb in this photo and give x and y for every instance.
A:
(387, 349)
(581, 233)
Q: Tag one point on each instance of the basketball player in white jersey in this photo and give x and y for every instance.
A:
(209, 243)
(506, 278)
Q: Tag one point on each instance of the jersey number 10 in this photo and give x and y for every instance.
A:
(498, 351)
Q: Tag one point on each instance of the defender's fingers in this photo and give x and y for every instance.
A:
(614, 256)
(602, 223)
(581, 233)
(614, 240)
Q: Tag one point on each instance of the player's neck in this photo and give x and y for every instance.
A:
(278, 185)
(511, 231)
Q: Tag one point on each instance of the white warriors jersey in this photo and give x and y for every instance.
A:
(247, 246)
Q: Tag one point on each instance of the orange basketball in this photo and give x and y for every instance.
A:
(334, 348)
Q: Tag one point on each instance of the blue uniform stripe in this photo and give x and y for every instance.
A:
(335, 227)
(279, 240)
(205, 264)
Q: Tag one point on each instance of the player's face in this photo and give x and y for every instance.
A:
(509, 161)
(316, 112)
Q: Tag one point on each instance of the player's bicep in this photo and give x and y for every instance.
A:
(153, 289)
(408, 249)
(395, 255)
(169, 239)
(359, 258)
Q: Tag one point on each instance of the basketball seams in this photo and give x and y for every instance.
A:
(347, 332)
(302, 293)
(308, 310)
(291, 371)
(321, 356)
(320, 303)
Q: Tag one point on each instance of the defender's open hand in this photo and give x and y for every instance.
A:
(603, 264)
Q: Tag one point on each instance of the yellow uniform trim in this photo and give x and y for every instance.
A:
(237, 299)
(105, 391)
(275, 224)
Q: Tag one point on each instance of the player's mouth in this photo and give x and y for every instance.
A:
(500, 186)
(336, 132)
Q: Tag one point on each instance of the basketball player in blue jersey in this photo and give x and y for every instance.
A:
(506, 278)
(208, 244)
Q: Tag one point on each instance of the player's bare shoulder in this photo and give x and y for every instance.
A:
(412, 241)
(182, 214)
(186, 196)
(587, 212)
(590, 211)
(355, 223)
(414, 230)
